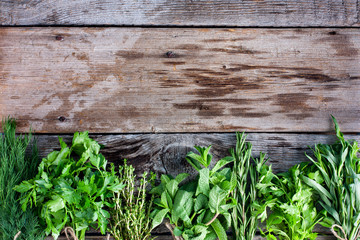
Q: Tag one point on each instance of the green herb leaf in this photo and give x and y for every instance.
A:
(219, 230)
(159, 217)
(56, 204)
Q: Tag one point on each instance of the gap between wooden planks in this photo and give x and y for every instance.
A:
(181, 12)
(112, 80)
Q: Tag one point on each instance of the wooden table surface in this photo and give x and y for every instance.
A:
(151, 79)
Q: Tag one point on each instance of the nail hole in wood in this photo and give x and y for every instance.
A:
(170, 54)
(59, 38)
(62, 119)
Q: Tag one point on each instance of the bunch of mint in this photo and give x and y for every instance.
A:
(199, 208)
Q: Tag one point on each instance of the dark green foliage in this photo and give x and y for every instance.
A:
(337, 182)
(18, 162)
(245, 215)
(199, 209)
(72, 188)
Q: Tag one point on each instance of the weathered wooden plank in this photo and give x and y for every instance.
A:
(165, 153)
(215, 80)
(181, 12)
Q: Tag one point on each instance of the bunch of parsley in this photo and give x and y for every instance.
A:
(199, 209)
(72, 188)
(18, 162)
(291, 202)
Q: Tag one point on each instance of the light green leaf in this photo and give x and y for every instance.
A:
(216, 198)
(172, 187)
(24, 187)
(323, 193)
(165, 179)
(221, 163)
(56, 204)
(183, 206)
(177, 231)
(201, 202)
(116, 187)
(163, 200)
(219, 230)
(159, 217)
(181, 177)
(194, 160)
(203, 182)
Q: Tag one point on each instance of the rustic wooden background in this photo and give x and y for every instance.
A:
(150, 79)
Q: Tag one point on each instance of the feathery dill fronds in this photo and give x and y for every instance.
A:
(18, 162)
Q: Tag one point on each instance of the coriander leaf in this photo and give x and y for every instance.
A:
(56, 204)
(24, 187)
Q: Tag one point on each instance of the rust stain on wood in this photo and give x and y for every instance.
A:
(203, 109)
(81, 56)
(315, 77)
(188, 46)
(342, 44)
(246, 113)
(131, 55)
(174, 63)
(235, 50)
(295, 105)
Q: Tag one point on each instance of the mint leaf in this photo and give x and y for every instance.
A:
(159, 217)
(203, 182)
(219, 230)
(216, 199)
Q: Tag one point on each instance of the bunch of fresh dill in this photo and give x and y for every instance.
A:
(18, 162)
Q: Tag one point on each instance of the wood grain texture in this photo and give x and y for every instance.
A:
(288, 13)
(165, 153)
(111, 80)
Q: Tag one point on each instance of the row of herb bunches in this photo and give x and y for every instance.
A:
(75, 188)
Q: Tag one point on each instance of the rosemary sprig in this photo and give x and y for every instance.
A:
(245, 215)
